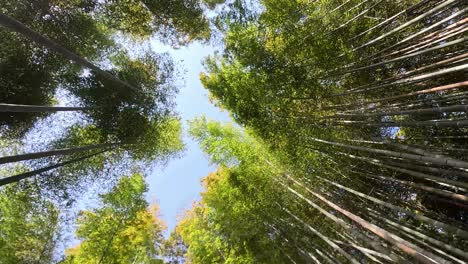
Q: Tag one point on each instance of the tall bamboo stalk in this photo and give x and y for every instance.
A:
(439, 161)
(323, 237)
(22, 176)
(449, 228)
(55, 152)
(16, 26)
(18, 108)
(409, 23)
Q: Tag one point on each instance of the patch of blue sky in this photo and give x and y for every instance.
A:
(176, 186)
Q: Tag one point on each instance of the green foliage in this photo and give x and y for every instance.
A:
(141, 120)
(339, 121)
(230, 223)
(122, 230)
(28, 225)
(176, 22)
(327, 86)
(174, 249)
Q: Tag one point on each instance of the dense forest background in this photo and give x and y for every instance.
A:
(351, 144)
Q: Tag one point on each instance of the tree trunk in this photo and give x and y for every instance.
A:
(457, 58)
(456, 185)
(21, 176)
(437, 191)
(428, 169)
(390, 19)
(439, 161)
(357, 16)
(412, 250)
(426, 41)
(409, 23)
(339, 221)
(338, 7)
(392, 98)
(426, 29)
(55, 152)
(17, 108)
(410, 80)
(16, 26)
(424, 237)
(323, 237)
(417, 53)
(435, 123)
(450, 229)
(432, 110)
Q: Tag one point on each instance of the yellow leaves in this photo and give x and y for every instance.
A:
(73, 251)
(212, 178)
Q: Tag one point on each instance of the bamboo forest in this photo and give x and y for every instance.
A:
(233, 131)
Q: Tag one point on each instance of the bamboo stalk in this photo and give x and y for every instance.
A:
(451, 229)
(18, 108)
(409, 23)
(16, 26)
(55, 152)
(22, 176)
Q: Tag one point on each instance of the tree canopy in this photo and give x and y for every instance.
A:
(349, 145)
(124, 229)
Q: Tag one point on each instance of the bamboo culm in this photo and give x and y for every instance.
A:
(18, 108)
(22, 176)
(55, 152)
(16, 26)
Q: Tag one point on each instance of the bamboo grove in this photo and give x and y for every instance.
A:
(80, 110)
(353, 146)
(365, 103)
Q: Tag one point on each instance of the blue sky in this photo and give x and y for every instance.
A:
(177, 185)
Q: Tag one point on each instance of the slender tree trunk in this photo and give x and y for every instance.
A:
(424, 237)
(16, 26)
(407, 81)
(402, 76)
(417, 240)
(397, 107)
(357, 16)
(426, 29)
(439, 63)
(340, 6)
(22, 176)
(430, 42)
(390, 19)
(428, 169)
(409, 23)
(438, 161)
(312, 256)
(435, 123)
(339, 221)
(16, 108)
(404, 57)
(450, 229)
(325, 257)
(415, 150)
(448, 61)
(430, 247)
(422, 111)
(437, 191)
(371, 254)
(456, 185)
(323, 237)
(55, 152)
(426, 41)
(411, 249)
